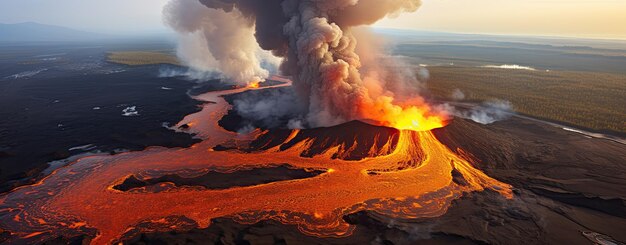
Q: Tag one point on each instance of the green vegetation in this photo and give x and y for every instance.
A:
(588, 99)
(135, 58)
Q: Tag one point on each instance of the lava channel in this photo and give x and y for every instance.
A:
(80, 199)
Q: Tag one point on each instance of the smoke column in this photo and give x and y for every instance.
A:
(320, 51)
(214, 40)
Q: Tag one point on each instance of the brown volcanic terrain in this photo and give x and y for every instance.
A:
(565, 184)
(174, 190)
(355, 140)
(350, 184)
(549, 161)
(214, 180)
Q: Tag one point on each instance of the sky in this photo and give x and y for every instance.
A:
(571, 18)
(102, 16)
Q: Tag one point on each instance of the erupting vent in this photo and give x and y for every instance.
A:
(401, 173)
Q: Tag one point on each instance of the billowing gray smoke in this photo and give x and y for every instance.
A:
(318, 46)
(272, 108)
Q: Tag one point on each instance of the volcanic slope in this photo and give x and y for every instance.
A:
(354, 140)
(418, 179)
(568, 190)
(567, 183)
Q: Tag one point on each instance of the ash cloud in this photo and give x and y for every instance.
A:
(339, 72)
(273, 108)
(213, 40)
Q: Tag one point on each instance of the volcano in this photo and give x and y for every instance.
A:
(354, 140)
(309, 179)
(515, 180)
(567, 188)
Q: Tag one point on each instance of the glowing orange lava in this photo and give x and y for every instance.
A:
(254, 85)
(414, 118)
(80, 196)
(412, 115)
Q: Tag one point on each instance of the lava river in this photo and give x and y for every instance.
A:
(80, 198)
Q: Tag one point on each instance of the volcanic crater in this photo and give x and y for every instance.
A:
(346, 184)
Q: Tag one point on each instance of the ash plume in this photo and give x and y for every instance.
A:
(212, 40)
(275, 108)
(338, 71)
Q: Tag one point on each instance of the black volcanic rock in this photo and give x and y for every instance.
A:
(48, 114)
(565, 185)
(216, 180)
(369, 230)
(563, 166)
(476, 218)
(356, 140)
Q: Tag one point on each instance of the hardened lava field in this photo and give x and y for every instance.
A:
(404, 174)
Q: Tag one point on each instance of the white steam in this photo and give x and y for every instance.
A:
(270, 108)
(457, 94)
(489, 112)
(339, 73)
(511, 67)
(212, 40)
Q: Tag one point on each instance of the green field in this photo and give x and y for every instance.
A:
(589, 99)
(135, 58)
(584, 86)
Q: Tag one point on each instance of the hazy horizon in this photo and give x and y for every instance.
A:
(547, 18)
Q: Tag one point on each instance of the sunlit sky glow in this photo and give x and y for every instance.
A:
(106, 16)
(574, 18)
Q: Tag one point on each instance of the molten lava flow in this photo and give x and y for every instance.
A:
(254, 84)
(413, 115)
(414, 181)
(415, 118)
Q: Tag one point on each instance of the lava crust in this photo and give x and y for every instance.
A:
(215, 180)
(354, 140)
